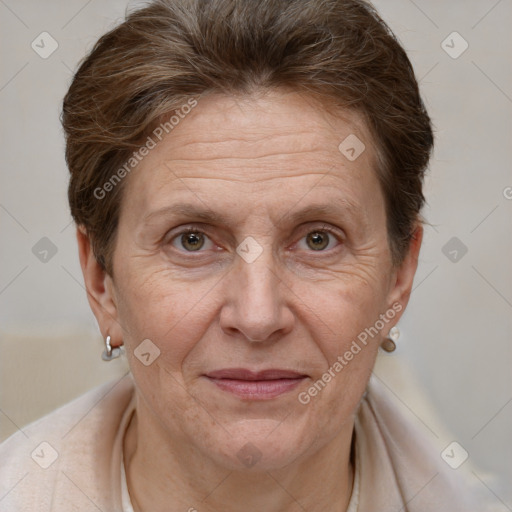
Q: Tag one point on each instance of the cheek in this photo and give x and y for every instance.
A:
(344, 308)
(348, 351)
(345, 323)
(172, 314)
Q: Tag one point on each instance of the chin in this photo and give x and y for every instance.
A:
(261, 445)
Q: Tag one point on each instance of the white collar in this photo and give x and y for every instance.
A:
(126, 502)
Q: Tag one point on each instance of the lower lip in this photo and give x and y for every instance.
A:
(257, 389)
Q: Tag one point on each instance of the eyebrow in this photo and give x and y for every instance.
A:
(334, 209)
(187, 210)
(337, 208)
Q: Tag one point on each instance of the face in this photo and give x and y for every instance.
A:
(253, 254)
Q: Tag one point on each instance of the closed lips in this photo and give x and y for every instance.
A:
(255, 385)
(249, 375)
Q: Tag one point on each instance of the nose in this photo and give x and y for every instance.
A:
(255, 306)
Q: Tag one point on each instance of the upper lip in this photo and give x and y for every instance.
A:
(245, 374)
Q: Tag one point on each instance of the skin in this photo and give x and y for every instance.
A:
(257, 161)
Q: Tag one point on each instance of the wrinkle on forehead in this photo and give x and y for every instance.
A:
(243, 125)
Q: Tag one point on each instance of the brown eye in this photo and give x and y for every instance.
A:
(192, 241)
(325, 239)
(318, 240)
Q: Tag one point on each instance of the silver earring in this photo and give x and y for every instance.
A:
(110, 353)
(389, 343)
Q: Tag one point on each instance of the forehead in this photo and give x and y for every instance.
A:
(268, 147)
(269, 124)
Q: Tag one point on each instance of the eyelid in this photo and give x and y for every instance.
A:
(183, 229)
(322, 227)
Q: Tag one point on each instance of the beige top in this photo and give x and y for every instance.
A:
(71, 460)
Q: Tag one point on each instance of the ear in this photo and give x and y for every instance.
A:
(403, 276)
(100, 290)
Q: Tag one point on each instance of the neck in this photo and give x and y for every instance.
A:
(162, 473)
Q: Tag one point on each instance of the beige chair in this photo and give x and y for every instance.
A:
(39, 373)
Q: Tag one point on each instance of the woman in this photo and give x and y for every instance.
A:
(246, 180)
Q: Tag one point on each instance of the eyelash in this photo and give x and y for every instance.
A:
(326, 229)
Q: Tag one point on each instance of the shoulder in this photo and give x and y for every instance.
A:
(71, 445)
(408, 455)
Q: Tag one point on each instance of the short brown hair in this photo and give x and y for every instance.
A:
(163, 55)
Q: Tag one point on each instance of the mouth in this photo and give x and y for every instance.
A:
(250, 385)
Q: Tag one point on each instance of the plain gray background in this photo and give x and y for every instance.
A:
(455, 336)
